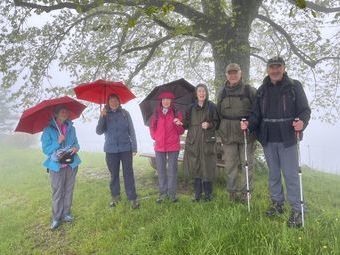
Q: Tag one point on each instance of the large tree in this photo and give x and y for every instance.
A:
(145, 42)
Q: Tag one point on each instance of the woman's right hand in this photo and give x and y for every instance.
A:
(103, 112)
(61, 138)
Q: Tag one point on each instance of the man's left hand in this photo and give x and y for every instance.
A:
(298, 125)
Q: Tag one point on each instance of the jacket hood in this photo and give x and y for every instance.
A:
(166, 94)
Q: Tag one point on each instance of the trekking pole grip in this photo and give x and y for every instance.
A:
(245, 130)
(297, 133)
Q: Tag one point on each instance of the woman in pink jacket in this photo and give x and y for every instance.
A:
(165, 129)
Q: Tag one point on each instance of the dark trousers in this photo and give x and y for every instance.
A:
(200, 187)
(113, 163)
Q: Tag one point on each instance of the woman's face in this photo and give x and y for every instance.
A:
(63, 115)
(166, 102)
(201, 94)
(113, 103)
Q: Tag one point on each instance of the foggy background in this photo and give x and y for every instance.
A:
(319, 149)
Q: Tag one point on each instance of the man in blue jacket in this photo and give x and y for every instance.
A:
(280, 112)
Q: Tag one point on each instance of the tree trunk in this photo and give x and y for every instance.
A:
(230, 42)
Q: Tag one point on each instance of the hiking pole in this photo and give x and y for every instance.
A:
(246, 165)
(300, 176)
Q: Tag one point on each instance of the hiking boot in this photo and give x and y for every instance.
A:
(55, 224)
(196, 199)
(207, 187)
(68, 218)
(134, 204)
(295, 220)
(275, 210)
(115, 201)
(198, 190)
(244, 198)
(233, 196)
(174, 199)
(161, 198)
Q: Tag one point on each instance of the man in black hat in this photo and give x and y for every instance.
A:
(280, 111)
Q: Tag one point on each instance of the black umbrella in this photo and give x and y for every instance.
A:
(184, 96)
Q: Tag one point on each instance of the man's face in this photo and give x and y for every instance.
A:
(233, 77)
(276, 72)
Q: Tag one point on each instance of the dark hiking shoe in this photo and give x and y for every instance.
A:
(68, 218)
(295, 220)
(115, 201)
(208, 197)
(174, 199)
(275, 210)
(134, 204)
(55, 224)
(196, 199)
(233, 197)
(244, 198)
(161, 198)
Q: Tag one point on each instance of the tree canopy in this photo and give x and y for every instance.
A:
(148, 42)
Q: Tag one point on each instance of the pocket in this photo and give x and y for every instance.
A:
(210, 147)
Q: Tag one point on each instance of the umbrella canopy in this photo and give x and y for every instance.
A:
(36, 118)
(182, 90)
(98, 91)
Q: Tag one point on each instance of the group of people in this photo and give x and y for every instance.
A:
(273, 115)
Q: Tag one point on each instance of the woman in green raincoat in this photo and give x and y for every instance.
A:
(201, 120)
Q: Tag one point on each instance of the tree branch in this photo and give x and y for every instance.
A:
(183, 9)
(317, 7)
(173, 29)
(289, 39)
(259, 57)
(150, 45)
(143, 64)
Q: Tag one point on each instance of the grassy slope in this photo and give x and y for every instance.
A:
(218, 227)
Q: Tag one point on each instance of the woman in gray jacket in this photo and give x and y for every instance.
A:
(120, 146)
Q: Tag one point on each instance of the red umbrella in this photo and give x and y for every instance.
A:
(36, 118)
(98, 91)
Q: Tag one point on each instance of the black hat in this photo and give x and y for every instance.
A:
(276, 61)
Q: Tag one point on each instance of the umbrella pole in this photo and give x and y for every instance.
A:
(56, 125)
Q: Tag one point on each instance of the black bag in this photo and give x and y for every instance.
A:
(66, 157)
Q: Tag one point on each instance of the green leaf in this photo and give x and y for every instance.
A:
(301, 4)
(314, 13)
(132, 23)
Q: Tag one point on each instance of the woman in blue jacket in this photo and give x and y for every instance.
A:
(120, 145)
(60, 133)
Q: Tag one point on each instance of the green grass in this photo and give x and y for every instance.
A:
(217, 227)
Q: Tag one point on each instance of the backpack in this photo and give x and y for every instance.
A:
(241, 96)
